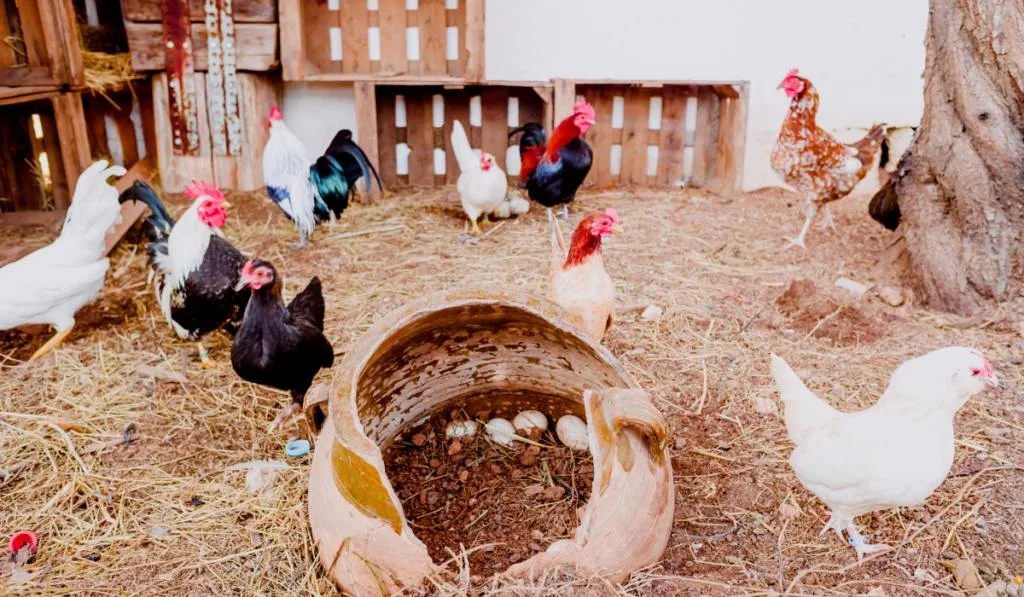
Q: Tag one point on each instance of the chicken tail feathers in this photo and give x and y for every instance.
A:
(803, 410)
(330, 187)
(341, 146)
(159, 223)
(464, 154)
(885, 207)
(870, 144)
(308, 305)
(533, 136)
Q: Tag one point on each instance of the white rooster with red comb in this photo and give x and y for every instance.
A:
(482, 184)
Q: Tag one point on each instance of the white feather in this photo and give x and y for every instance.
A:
(480, 191)
(286, 166)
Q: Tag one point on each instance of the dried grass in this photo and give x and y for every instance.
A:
(163, 515)
(106, 73)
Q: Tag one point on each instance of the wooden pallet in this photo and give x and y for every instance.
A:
(663, 133)
(39, 56)
(429, 111)
(402, 40)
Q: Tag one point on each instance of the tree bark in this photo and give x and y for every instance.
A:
(961, 184)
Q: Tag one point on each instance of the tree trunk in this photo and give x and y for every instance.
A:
(961, 184)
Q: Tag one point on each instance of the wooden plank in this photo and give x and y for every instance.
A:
(244, 172)
(634, 136)
(74, 136)
(704, 137)
(27, 76)
(475, 26)
(31, 218)
(132, 210)
(33, 37)
(387, 137)
(177, 172)
(292, 43)
(432, 24)
(355, 23)
(419, 110)
(245, 11)
(60, 190)
(392, 37)
(126, 135)
(366, 130)
(317, 20)
(457, 18)
(60, 30)
(8, 57)
(456, 107)
(600, 136)
(565, 99)
(144, 95)
(20, 95)
(257, 46)
(731, 144)
(494, 136)
(672, 138)
(95, 110)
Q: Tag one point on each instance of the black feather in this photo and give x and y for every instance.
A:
(353, 159)
(885, 207)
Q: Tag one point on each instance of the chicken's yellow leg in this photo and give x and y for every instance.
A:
(52, 343)
(204, 357)
(476, 229)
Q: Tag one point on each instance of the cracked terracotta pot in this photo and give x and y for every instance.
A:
(481, 352)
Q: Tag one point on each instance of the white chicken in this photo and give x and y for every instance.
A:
(51, 284)
(512, 205)
(482, 184)
(892, 454)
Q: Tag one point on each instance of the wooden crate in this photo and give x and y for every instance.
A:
(39, 56)
(429, 111)
(46, 147)
(394, 40)
(121, 126)
(244, 172)
(255, 27)
(663, 134)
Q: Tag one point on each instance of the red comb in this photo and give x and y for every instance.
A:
(201, 188)
(793, 72)
(247, 268)
(275, 113)
(583, 107)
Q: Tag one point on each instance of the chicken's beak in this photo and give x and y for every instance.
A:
(992, 381)
(591, 121)
(225, 204)
(242, 283)
(616, 229)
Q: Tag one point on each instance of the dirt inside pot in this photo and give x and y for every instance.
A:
(513, 502)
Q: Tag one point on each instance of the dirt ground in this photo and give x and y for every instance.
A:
(127, 479)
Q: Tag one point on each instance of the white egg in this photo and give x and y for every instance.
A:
(528, 420)
(572, 432)
(501, 431)
(458, 429)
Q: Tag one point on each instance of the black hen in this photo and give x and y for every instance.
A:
(336, 172)
(277, 346)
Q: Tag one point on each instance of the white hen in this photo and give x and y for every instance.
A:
(482, 184)
(51, 284)
(892, 454)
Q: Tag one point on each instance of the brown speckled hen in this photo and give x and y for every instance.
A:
(811, 160)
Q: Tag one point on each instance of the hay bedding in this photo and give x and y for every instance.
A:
(163, 514)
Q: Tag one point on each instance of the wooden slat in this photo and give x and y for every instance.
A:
(704, 137)
(392, 37)
(60, 30)
(565, 98)
(245, 11)
(530, 110)
(292, 42)
(126, 134)
(317, 20)
(672, 136)
(132, 210)
(30, 218)
(600, 136)
(95, 111)
(74, 136)
(355, 20)
(8, 57)
(634, 136)
(60, 190)
(27, 76)
(366, 132)
(457, 18)
(474, 46)
(494, 139)
(256, 51)
(456, 107)
(144, 94)
(386, 138)
(34, 40)
(432, 25)
(20, 95)
(177, 172)
(419, 109)
(731, 144)
(256, 94)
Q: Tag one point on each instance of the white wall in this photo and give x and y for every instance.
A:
(864, 56)
(316, 111)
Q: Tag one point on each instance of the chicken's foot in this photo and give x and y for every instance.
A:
(284, 416)
(812, 210)
(860, 542)
(205, 362)
(828, 222)
(564, 213)
(52, 343)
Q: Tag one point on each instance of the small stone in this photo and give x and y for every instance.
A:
(93, 557)
(532, 490)
(196, 501)
(419, 440)
(529, 456)
(473, 501)
(454, 448)
(495, 468)
(680, 443)
(463, 475)
(852, 286)
(435, 463)
(765, 406)
(652, 313)
(158, 533)
(890, 296)
(536, 535)
(553, 493)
